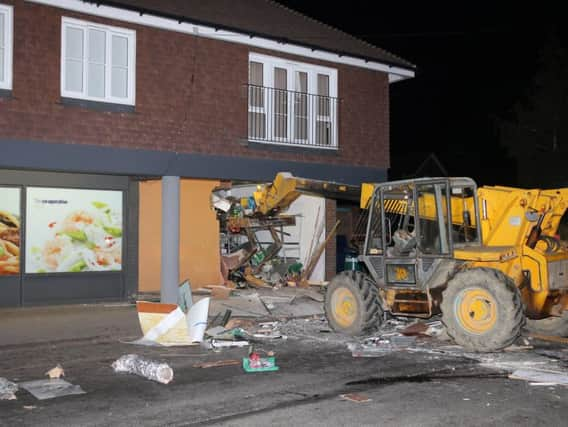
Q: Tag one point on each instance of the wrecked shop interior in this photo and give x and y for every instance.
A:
(223, 243)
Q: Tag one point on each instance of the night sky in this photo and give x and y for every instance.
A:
(480, 68)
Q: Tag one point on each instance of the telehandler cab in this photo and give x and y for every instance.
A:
(487, 259)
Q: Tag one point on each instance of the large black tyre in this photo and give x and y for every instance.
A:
(351, 304)
(550, 326)
(482, 310)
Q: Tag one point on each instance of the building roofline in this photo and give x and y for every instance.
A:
(145, 17)
(401, 64)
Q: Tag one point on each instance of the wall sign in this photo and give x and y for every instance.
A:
(73, 230)
(9, 231)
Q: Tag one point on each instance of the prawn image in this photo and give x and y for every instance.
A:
(54, 250)
(76, 221)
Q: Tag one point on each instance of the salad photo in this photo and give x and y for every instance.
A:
(73, 230)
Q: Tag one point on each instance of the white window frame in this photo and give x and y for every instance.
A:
(130, 35)
(8, 13)
(269, 64)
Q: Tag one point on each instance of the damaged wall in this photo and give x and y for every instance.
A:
(199, 235)
(297, 244)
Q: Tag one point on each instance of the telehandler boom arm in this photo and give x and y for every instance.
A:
(279, 195)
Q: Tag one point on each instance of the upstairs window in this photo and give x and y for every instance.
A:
(291, 103)
(97, 62)
(6, 26)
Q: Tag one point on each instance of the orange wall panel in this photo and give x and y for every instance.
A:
(199, 235)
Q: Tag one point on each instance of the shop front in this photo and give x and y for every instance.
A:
(65, 237)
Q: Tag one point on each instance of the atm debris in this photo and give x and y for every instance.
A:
(355, 397)
(50, 388)
(144, 367)
(56, 372)
(8, 389)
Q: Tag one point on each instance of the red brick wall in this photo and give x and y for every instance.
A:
(189, 97)
(331, 247)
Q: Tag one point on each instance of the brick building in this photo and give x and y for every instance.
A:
(99, 101)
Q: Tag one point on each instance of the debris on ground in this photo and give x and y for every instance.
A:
(217, 363)
(185, 298)
(255, 363)
(380, 345)
(223, 337)
(549, 338)
(217, 344)
(355, 397)
(8, 389)
(220, 292)
(50, 388)
(417, 328)
(540, 377)
(221, 319)
(515, 348)
(240, 323)
(431, 329)
(169, 325)
(56, 372)
(138, 365)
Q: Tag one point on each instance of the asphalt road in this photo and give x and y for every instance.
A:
(404, 388)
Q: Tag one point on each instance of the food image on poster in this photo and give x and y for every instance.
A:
(73, 230)
(9, 231)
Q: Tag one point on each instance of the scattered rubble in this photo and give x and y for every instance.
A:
(183, 323)
(8, 389)
(50, 388)
(255, 363)
(355, 397)
(138, 365)
(540, 377)
(217, 363)
(380, 345)
(56, 372)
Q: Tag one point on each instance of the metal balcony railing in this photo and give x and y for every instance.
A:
(286, 117)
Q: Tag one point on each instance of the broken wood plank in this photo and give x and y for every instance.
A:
(217, 363)
(550, 338)
(355, 397)
(319, 283)
(220, 292)
(317, 254)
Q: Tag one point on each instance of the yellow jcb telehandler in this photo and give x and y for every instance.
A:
(488, 259)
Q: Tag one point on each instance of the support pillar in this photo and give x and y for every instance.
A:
(170, 239)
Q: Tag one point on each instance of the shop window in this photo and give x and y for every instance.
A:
(6, 43)
(97, 62)
(9, 231)
(73, 230)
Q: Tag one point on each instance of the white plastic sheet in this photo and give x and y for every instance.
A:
(48, 389)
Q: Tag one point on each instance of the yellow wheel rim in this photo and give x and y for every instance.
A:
(476, 310)
(344, 306)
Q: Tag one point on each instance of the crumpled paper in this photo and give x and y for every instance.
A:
(8, 389)
(56, 372)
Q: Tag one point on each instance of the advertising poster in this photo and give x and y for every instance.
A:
(9, 231)
(73, 230)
